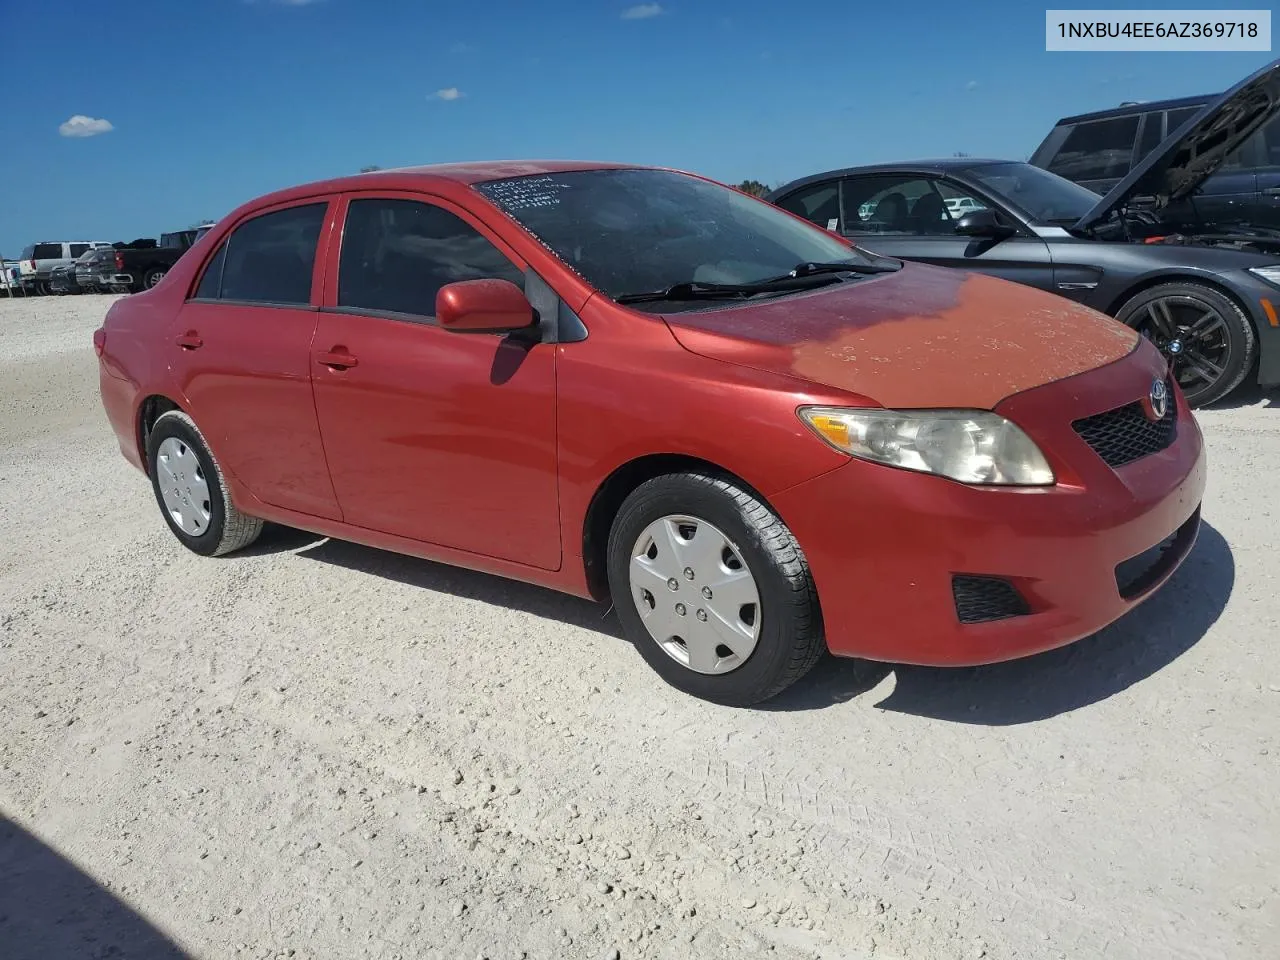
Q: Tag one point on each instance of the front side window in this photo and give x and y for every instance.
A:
(1097, 150)
(397, 254)
(626, 231)
(270, 258)
(897, 204)
(819, 204)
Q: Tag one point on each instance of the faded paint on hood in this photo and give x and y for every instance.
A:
(921, 337)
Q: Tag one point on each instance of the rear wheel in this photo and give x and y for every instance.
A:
(152, 277)
(713, 589)
(191, 491)
(1207, 339)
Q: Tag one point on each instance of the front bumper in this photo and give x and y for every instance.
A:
(884, 545)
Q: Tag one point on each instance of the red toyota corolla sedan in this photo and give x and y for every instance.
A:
(636, 384)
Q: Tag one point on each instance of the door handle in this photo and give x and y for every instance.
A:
(337, 359)
(189, 341)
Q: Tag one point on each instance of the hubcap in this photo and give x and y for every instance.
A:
(1191, 334)
(695, 594)
(155, 278)
(182, 486)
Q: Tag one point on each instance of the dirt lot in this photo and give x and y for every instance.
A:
(315, 749)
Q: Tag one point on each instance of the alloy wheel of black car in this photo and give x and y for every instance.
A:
(1208, 341)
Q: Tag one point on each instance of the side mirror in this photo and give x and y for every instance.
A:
(483, 306)
(983, 223)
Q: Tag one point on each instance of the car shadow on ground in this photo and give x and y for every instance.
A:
(1144, 641)
(1141, 643)
(51, 910)
(1248, 395)
(440, 577)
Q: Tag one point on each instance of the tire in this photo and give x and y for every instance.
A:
(152, 277)
(786, 617)
(226, 529)
(1210, 365)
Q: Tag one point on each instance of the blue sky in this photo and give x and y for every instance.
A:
(213, 102)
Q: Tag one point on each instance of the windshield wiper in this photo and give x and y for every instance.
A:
(692, 290)
(809, 269)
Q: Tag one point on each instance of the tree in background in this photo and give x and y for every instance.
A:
(754, 187)
(369, 169)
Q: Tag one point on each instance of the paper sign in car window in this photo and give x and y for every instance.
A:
(833, 223)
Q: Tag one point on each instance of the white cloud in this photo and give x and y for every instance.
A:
(448, 93)
(82, 126)
(642, 11)
(971, 85)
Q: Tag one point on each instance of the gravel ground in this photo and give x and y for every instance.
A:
(314, 749)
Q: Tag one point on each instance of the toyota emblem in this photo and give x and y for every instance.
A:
(1159, 399)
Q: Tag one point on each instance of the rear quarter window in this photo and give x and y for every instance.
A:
(47, 251)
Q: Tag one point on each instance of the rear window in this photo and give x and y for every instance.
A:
(270, 258)
(46, 251)
(1097, 150)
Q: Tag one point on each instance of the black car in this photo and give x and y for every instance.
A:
(1210, 302)
(1097, 150)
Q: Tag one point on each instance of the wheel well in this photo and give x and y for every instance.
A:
(1147, 284)
(616, 488)
(148, 414)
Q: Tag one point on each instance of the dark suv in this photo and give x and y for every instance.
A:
(1097, 150)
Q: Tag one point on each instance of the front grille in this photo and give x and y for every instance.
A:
(1140, 573)
(1126, 433)
(980, 599)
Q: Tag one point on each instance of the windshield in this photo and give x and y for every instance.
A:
(1044, 196)
(628, 231)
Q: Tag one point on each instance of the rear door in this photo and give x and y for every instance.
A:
(907, 216)
(447, 438)
(240, 349)
(1266, 211)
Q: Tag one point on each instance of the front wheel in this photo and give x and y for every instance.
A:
(191, 491)
(1207, 339)
(713, 590)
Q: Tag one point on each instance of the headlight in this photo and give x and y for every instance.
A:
(1269, 274)
(972, 446)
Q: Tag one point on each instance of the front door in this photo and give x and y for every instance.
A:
(241, 351)
(447, 438)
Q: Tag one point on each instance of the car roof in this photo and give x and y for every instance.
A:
(944, 165)
(1145, 106)
(437, 174)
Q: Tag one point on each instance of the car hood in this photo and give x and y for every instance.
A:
(1189, 155)
(921, 337)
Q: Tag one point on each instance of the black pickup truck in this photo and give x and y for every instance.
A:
(142, 264)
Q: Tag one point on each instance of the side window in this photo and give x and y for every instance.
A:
(894, 205)
(819, 203)
(1152, 133)
(396, 254)
(269, 259)
(211, 282)
(1271, 143)
(958, 200)
(1097, 150)
(77, 249)
(47, 251)
(1177, 118)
